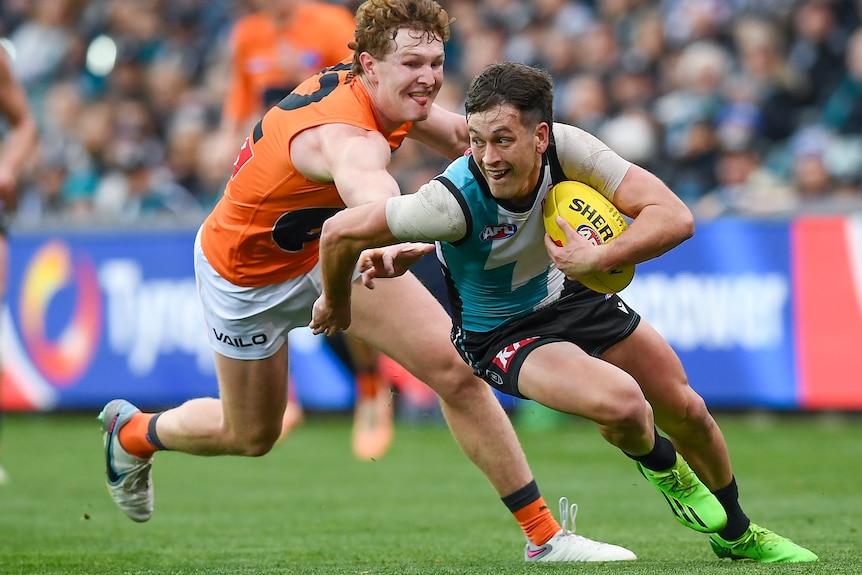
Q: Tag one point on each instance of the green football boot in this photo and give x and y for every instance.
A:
(762, 545)
(691, 502)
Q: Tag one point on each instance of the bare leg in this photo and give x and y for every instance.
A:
(679, 410)
(245, 421)
(373, 428)
(561, 376)
(404, 321)
(293, 412)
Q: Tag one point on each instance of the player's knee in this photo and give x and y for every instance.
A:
(696, 411)
(454, 382)
(688, 409)
(628, 410)
(256, 447)
(255, 442)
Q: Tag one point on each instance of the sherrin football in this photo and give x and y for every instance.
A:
(592, 216)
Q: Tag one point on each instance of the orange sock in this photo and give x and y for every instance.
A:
(134, 437)
(366, 385)
(537, 522)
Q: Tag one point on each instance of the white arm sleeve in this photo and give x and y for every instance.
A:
(431, 214)
(585, 158)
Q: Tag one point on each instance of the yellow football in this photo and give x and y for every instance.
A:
(594, 217)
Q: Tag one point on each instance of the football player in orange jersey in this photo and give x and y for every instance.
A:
(18, 146)
(325, 146)
(272, 51)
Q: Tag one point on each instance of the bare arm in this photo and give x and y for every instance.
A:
(357, 160)
(443, 131)
(428, 215)
(21, 139)
(660, 222)
(342, 239)
(354, 159)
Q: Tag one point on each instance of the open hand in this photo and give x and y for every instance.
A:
(390, 261)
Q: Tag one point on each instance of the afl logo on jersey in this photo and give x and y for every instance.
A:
(498, 232)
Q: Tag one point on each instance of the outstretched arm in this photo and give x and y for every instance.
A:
(429, 215)
(342, 239)
(443, 131)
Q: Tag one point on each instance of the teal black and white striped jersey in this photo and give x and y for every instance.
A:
(493, 253)
(500, 270)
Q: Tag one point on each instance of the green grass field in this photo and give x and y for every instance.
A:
(308, 507)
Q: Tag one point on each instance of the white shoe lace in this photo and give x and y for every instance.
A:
(566, 513)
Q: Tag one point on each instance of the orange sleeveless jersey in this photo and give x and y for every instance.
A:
(319, 33)
(265, 229)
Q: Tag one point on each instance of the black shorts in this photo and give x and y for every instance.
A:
(592, 321)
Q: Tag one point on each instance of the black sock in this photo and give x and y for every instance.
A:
(522, 497)
(662, 456)
(737, 520)
(151, 433)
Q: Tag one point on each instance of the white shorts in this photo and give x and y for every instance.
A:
(252, 322)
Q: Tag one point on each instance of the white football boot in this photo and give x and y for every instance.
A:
(128, 476)
(566, 546)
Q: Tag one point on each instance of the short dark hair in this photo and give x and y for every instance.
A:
(530, 90)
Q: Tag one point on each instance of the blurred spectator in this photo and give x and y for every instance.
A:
(820, 176)
(598, 49)
(777, 87)
(744, 186)
(274, 49)
(687, 113)
(817, 50)
(738, 125)
(582, 101)
(809, 176)
(695, 95)
(43, 201)
(137, 189)
(843, 159)
(689, 21)
(631, 85)
(843, 110)
(42, 43)
(700, 83)
(632, 135)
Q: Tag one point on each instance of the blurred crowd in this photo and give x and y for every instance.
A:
(747, 107)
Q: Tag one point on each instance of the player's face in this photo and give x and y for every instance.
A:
(508, 154)
(405, 83)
